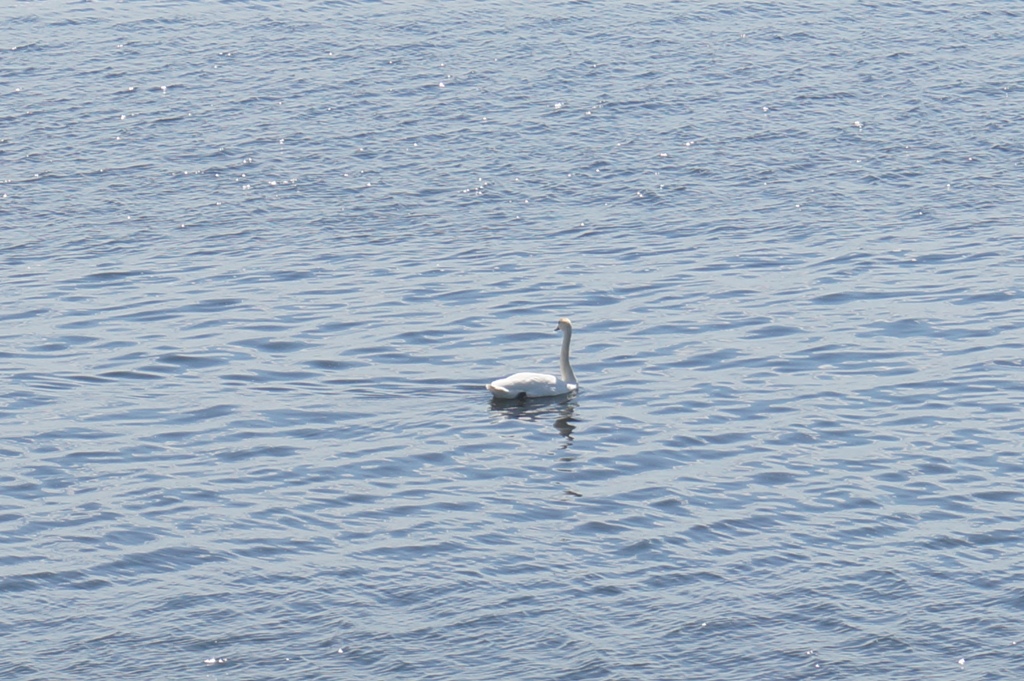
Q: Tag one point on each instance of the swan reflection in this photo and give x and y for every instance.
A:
(539, 411)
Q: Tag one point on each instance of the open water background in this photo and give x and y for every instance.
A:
(258, 260)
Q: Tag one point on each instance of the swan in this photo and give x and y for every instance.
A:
(528, 384)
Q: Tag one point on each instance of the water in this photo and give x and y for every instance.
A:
(259, 261)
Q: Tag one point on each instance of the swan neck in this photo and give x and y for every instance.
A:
(567, 375)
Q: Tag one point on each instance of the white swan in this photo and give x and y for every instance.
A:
(529, 384)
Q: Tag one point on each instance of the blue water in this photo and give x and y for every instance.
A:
(259, 260)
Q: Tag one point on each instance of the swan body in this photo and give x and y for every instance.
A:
(529, 384)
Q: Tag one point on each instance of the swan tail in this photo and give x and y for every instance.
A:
(498, 391)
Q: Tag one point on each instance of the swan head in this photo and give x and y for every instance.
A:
(564, 324)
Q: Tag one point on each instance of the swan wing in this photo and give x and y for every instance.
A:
(529, 384)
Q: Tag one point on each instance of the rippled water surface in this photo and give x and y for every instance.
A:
(259, 259)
